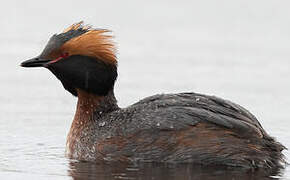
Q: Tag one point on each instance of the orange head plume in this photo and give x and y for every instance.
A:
(93, 42)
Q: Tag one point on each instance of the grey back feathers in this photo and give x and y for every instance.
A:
(178, 111)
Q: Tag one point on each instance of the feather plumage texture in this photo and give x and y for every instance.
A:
(185, 127)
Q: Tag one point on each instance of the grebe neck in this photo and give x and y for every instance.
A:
(91, 107)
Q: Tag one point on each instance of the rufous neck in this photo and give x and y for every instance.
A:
(90, 106)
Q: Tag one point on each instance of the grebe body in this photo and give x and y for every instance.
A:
(170, 128)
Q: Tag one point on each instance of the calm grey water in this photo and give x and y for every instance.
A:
(238, 50)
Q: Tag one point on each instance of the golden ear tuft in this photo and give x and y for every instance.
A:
(79, 25)
(94, 43)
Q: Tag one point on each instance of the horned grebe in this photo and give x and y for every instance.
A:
(171, 128)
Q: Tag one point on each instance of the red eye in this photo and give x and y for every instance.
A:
(65, 55)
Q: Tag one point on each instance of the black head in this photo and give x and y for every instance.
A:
(81, 58)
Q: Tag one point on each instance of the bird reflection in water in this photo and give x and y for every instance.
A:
(87, 170)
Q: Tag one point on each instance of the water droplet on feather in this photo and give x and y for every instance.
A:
(101, 124)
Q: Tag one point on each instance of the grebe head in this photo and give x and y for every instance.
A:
(81, 58)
